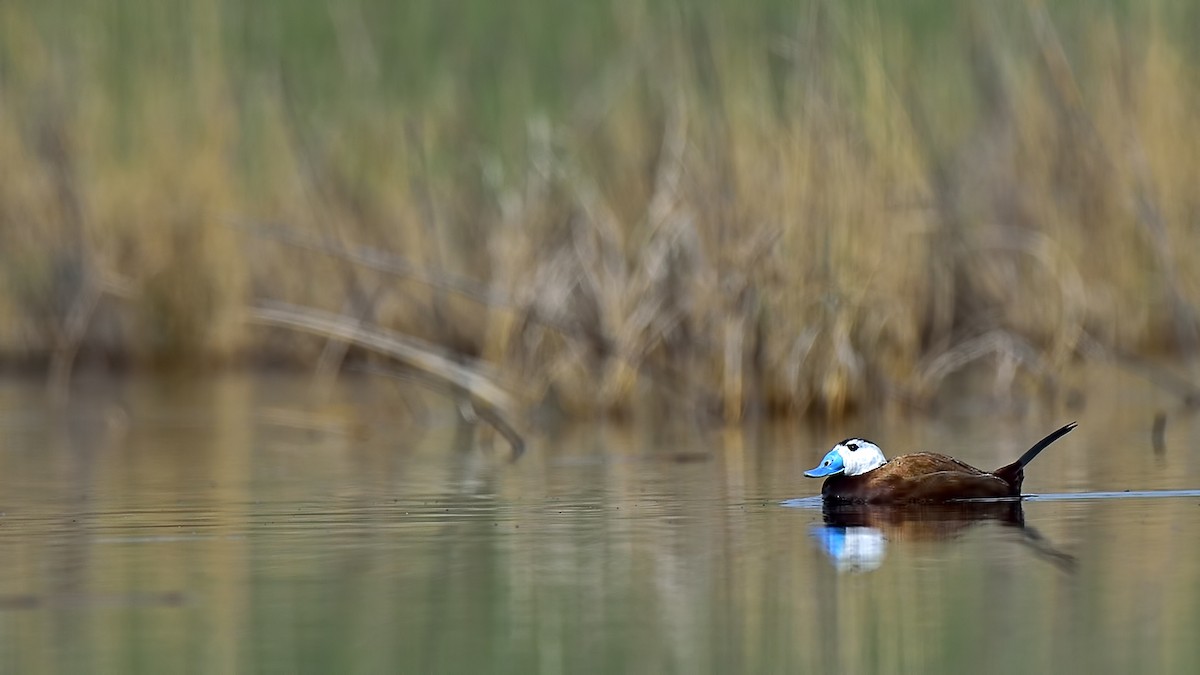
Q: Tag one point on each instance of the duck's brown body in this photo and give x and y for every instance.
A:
(856, 471)
(923, 477)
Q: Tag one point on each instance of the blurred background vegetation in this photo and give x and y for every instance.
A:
(801, 206)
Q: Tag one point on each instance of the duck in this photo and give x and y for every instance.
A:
(856, 471)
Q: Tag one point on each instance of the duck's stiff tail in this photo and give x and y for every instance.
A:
(1014, 473)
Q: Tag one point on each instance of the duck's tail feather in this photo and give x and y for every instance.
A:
(1043, 444)
(1014, 473)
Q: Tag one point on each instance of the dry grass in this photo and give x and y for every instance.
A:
(808, 220)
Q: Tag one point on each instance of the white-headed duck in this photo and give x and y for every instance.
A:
(857, 471)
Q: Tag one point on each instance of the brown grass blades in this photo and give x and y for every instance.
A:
(836, 209)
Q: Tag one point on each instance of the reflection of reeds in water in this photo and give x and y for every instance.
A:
(817, 216)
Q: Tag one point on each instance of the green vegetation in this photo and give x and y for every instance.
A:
(797, 206)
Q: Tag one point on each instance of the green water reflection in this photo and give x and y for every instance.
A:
(234, 526)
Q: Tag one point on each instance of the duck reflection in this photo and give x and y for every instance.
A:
(855, 536)
(852, 549)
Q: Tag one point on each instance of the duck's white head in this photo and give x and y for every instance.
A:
(851, 457)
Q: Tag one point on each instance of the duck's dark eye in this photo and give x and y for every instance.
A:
(828, 462)
(852, 446)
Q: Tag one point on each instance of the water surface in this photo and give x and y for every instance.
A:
(239, 524)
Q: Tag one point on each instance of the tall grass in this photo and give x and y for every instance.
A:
(782, 206)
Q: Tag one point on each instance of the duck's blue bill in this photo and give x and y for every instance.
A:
(829, 466)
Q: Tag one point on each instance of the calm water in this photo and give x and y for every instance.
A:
(234, 525)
